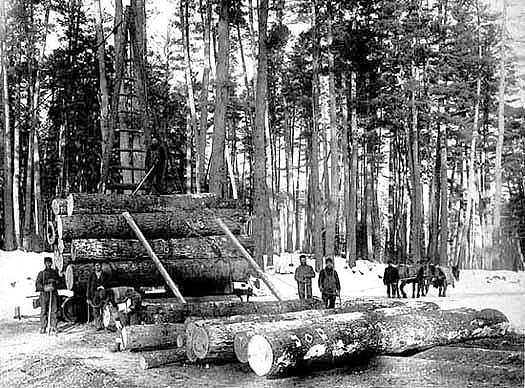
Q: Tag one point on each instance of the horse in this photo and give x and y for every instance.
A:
(442, 277)
(417, 275)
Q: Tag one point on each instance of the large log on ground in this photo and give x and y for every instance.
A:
(178, 312)
(214, 339)
(119, 203)
(84, 250)
(243, 336)
(193, 277)
(59, 206)
(341, 338)
(175, 223)
(154, 359)
(406, 333)
(140, 337)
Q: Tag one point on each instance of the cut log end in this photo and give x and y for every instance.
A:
(190, 353)
(59, 227)
(240, 346)
(260, 355)
(200, 342)
(51, 233)
(70, 277)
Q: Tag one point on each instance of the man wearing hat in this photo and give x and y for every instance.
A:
(46, 283)
(329, 284)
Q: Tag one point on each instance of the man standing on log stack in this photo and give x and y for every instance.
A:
(156, 161)
(329, 284)
(303, 276)
(47, 283)
(98, 280)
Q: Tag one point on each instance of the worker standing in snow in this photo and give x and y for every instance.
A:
(46, 283)
(390, 280)
(329, 284)
(98, 280)
(303, 276)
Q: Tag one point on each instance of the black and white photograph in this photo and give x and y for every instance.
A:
(262, 193)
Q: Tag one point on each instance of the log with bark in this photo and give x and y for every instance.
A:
(141, 337)
(170, 312)
(242, 338)
(194, 277)
(155, 359)
(214, 339)
(342, 338)
(172, 224)
(59, 206)
(406, 333)
(80, 203)
(84, 250)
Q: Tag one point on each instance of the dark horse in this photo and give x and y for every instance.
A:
(442, 277)
(417, 275)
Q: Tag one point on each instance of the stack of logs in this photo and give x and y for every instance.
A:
(181, 229)
(289, 340)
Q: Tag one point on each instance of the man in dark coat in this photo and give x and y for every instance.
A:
(156, 159)
(98, 280)
(391, 279)
(303, 276)
(47, 282)
(329, 284)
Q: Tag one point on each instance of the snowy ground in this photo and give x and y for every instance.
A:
(502, 290)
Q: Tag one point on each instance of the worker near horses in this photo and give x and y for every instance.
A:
(156, 161)
(391, 279)
(98, 280)
(329, 284)
(303, 276)
(124, 304)
(47, 283)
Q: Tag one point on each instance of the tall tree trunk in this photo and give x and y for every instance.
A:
(334, 145)
(288, 151)
(16, 169)
(434, 202)
(314, 155)
(443, 231)
(201, 141)
(262, 221)
(193, 132)
(351, 223)
(103, 96)
(9, 238)
(217, 162)
(471, 185)
(298, 242)
(501, 126)
(416, 200)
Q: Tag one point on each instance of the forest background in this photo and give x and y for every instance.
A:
(381, 130)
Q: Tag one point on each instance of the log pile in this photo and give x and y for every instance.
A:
(282, 343)
(181, 228)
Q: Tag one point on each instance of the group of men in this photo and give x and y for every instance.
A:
(123, 302)
(328, 282)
